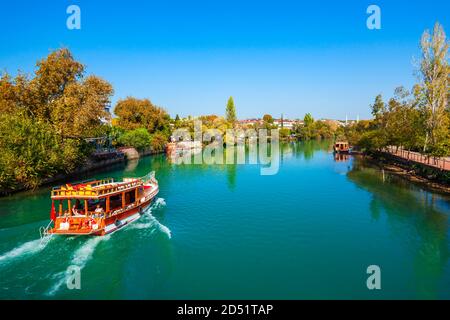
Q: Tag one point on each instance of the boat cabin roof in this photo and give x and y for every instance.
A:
(95, 189)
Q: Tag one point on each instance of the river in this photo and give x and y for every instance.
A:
(228, 232)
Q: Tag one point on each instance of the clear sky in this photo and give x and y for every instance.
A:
(274, 57)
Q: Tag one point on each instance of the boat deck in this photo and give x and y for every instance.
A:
(95, 189)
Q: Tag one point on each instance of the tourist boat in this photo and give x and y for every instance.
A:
(341, 147)
(99, 207)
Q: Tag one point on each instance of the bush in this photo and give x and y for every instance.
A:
(372, 140)
(158, 141)
(285, 133)
(32, 151)
(138, 138)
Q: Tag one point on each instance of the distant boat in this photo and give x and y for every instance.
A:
(342, 147)
(99, 207)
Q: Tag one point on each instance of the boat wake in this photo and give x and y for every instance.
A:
(24, 249)
(148, 220)
(84, 253)
(160, 202)
(79, 259)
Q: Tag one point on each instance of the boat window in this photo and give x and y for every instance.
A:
(115, 202)
(130, 197)
(92, 204)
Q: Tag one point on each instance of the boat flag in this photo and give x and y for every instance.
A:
(53, 212)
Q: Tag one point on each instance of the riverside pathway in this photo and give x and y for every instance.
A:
(442, 163)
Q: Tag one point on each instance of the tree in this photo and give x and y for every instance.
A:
(308, 120)
(45, 117)
(54, 74)
(432, 92)
(378, 108)
(82, 108)
(231, 111)
(267, 118)
(58, 94)
(158, 142)
(135, 113)
(208, 120)
(285, 133)
(31, 150)
(138, 138)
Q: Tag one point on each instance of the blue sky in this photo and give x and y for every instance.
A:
(274, 57)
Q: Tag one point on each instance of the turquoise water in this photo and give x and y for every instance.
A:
(225, 231)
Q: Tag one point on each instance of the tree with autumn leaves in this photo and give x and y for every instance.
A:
(144, 124)
(59, 94)
(44, 118)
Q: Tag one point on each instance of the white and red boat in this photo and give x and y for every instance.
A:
(99, 207)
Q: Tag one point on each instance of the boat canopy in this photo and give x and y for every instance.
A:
(95, 189)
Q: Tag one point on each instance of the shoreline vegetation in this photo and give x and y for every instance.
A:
(431, 178)
(58, 122)
(413, 121)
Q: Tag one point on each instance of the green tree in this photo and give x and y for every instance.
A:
(306, 131)
(32, 151)
(231, 111)
(45, 116)
(432, 92)
(378, 108)
(285, 133)
(308, 120)
(137, 138)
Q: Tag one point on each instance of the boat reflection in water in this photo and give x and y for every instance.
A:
(341, 157)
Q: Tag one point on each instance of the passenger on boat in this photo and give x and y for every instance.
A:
(76, 212)
(98, 211)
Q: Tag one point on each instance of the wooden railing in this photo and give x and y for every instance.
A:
(96, 189)
(442, 163)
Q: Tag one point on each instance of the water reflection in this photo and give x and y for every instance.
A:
(131, 165)
(231, 176)
(416, 217)
(305, 149)
(341, 157)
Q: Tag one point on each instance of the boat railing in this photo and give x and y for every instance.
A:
(95, 190)
(85, 183)
(45, 234)
(150, 177)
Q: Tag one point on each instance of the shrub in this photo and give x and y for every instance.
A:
(32, 151)
(285, 133)
(138, 138)
(158, 141)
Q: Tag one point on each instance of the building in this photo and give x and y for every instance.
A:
(250, 122)
(284, 123)
(108, 119)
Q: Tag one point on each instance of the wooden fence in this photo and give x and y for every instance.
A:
(442, 163)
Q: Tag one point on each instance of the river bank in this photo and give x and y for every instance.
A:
(117, 160)
(432, 178)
